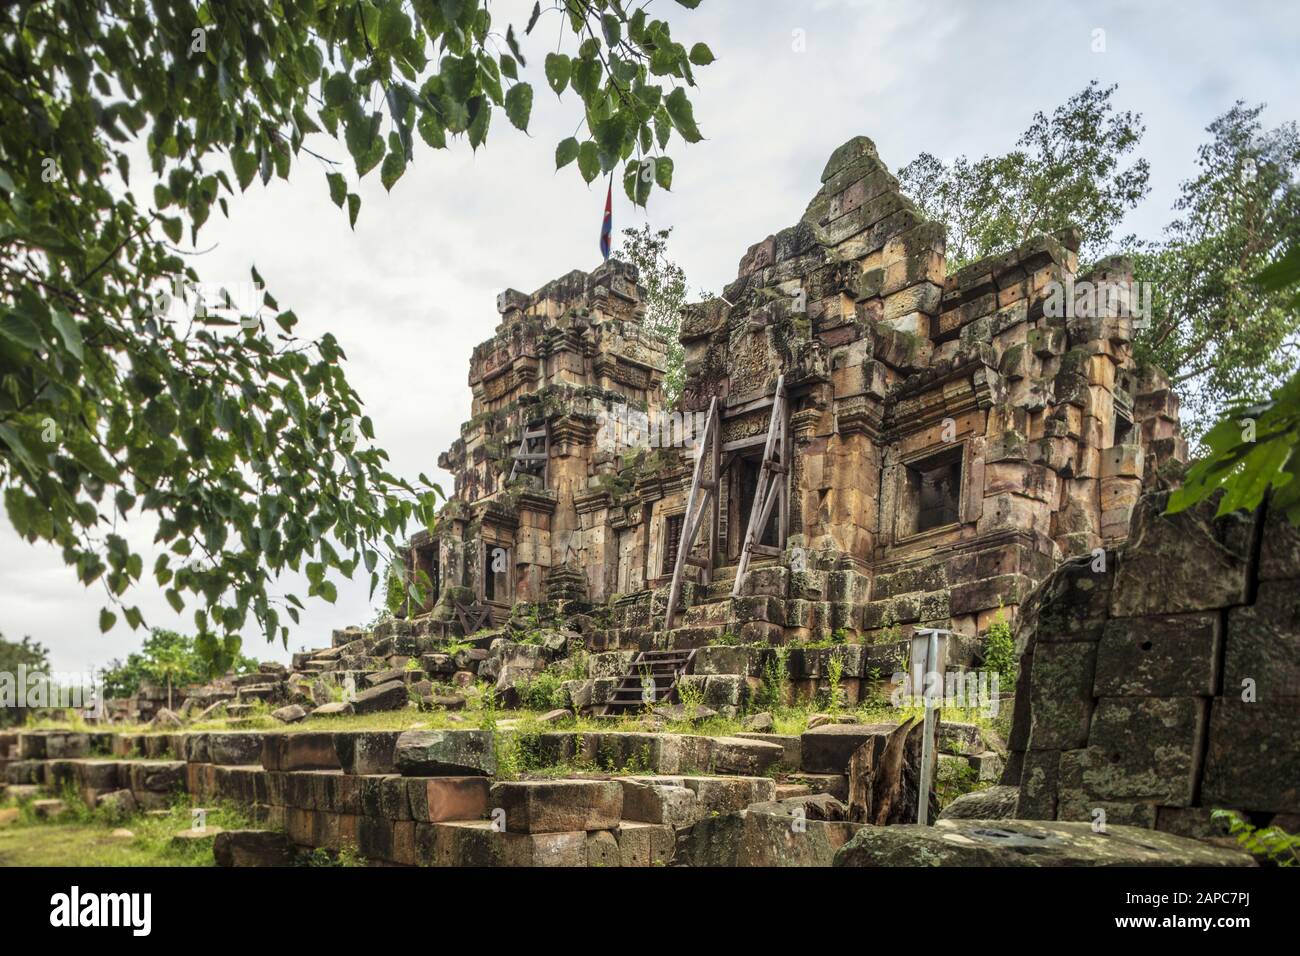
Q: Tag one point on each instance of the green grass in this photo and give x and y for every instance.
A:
(84, 837)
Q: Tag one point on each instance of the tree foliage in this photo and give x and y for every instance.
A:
(665, 285)
(168, 657)
(1068, 170)
(122, 396)
(26, 653)
(1223, 337)
(1255, 449)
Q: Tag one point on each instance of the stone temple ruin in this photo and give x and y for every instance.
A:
(939, 444)
(865, 447)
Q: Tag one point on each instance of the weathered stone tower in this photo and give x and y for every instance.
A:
(945, 440)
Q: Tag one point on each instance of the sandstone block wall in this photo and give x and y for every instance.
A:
(1166, 684)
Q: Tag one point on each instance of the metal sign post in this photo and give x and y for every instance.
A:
(929, 650)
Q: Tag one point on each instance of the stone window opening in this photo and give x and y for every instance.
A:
(673, 525)
(931, 492)
(496, 573)
(1123, 430)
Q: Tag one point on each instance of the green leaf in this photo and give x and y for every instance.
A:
(480, 117)
(701, 55)
(558, 68)
(612, 28)
(664, 172)
(394, 27)
(173, 227)
(106, 620)
(513, 43)
(1282, 273)
(338, 188)
(566, 152)
(245, 166)
(683, 116)
(431, 130)
(354, 207)
(588, 161)
(68, 331)
(519, 105)
(586, 78)
(394, 166)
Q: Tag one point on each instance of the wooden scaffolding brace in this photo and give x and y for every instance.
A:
(529, 458)
(704, 493)
(772, 490)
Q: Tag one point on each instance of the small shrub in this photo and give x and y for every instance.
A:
(1000, 650)
(690, 695)
(542, 691)
(776, 674)
(835, 676)
(1272, 843)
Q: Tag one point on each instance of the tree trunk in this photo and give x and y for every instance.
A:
(885, 777)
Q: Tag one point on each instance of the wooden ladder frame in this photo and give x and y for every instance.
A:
(773, 489)
(525, 453)
(704, 491)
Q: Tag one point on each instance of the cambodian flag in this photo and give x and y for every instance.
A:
(607, 227)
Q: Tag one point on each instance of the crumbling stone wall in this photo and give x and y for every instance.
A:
(1009, 372)
(1163, 682)
(952, 437)
(560, 358)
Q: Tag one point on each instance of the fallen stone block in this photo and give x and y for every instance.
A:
(290, 714)
(390, 696)
(791, 758)
(117, 804)
(235, 749)
(992, 803)
(366, 751)
(309, 751)
(438, 799)
(602, 849)
(778, 837)
(25, 773)
(433, 753)
(557, 806)
(478, 843)
(157, 776)
(49, 809)
(252, 848)
(746, 757)
(830, 747)
(645, 844)
(1027, 843)
(334, 708)
(725, 794)
(193, 837)
(673, 804)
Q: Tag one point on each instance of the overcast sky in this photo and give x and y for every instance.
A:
(412, 290)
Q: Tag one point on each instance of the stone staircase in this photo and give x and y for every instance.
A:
(662, 668)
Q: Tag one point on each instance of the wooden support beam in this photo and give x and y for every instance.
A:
(772, 490)
(703, 497)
